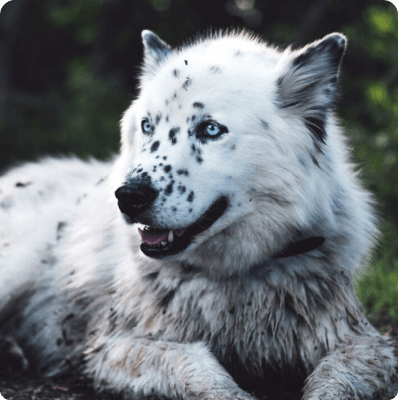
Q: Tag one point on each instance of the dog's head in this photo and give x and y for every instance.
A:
(225, 152)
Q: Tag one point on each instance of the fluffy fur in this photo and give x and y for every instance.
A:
(234, 307)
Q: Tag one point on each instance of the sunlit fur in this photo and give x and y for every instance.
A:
(76, 290)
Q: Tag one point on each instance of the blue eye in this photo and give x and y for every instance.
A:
(212, 129)
(146, 126)
(208, 130)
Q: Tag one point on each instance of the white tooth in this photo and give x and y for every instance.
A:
(170, 238)
(140, 232)
(164, 243)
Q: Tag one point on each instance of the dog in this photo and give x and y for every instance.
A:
(213, 257)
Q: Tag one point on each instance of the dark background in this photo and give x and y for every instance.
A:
(67, 73)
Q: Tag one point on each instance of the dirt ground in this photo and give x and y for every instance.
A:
(25, 386)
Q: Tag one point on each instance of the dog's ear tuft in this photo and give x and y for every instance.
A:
(328, 51)
(156, 51)
(309, 85)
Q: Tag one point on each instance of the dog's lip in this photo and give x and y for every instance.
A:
(160, 248)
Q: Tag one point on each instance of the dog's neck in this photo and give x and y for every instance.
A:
(292, 249)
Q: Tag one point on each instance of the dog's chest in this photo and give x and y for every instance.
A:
(247, 327)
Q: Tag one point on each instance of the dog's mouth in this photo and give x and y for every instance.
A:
(159, 243)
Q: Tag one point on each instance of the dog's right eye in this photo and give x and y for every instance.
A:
(146, 126)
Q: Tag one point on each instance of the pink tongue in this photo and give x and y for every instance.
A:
(151, 238)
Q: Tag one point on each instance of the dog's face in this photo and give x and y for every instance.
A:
(218, 144)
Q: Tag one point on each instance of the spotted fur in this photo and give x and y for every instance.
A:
(238, 312)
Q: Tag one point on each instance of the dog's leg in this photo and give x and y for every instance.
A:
(141, 368)
(353, 371)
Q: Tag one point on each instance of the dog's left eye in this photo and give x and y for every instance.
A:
(146, 126)
(208, 130)
(212, 129)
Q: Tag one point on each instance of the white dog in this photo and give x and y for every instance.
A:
(250, 223)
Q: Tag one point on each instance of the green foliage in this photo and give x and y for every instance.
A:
(373, 129)
(90, 118)
(81, 15)
(377, 285)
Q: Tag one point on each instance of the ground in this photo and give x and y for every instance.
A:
(22, 386)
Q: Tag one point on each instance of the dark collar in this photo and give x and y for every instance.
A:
(300, 247)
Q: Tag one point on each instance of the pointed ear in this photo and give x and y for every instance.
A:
(309, 86)
(155, 51)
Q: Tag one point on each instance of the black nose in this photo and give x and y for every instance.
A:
(133, 198)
